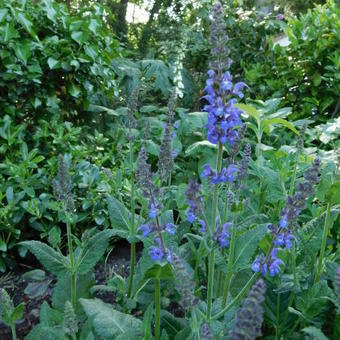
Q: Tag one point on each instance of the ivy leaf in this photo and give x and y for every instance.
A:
(109, 323)
(53, 261)
(52, 63)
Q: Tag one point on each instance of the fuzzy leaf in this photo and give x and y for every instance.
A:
(109, 323)
(93, 251)
(53, 261)
(316, 333)
(246, 245)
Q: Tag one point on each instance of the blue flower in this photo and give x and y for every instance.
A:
(202, 229)
(153, 210)
(145, 228)
(170, 228)
(274, 263)
(156, 253)
(238, 87)
(284, 221)
(191, 215)
(206, 171)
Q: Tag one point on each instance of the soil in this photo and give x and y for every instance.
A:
(117, 261)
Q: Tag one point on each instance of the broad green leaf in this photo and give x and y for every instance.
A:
(3, 13)
(3, 245)
(46, 332)
(119, 215)
(79, 36)
(62, 290)
(74, 90)
(18, 312)
(109, 323)
(199, 147)
(159, 71)
(316, 333)
(171, 324)
(147, 321)
(93, 251)
(52, 63)
(333, 194)
(23, 50)
(26, 23)
(246, 245)
(289, 125)
(53, 261)
(162, 272)
(249, 110)
(9, 31)
(50, 11)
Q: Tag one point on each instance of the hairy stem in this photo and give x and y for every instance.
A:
(229, 273)
(132, 205)
(323, 243)
(211, 267)
(73, 269)
(157, 309)
(14, 333)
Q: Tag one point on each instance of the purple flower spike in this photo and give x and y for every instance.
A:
(170, 228)
(145, 229)
(206, 171)
(280, 17)
(238, 87)
(202, 229)
(156, 253)
(153, 210)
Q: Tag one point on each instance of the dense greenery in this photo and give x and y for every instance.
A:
(113, 130)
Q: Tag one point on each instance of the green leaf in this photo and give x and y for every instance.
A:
(53, 261)
(119, 215)
(290, 126)
(52, 63)
(3, 13)
(333, 194)
(316, 333)
(62, 290)
(46, 332)
(3, 245)
(147, 321)
(23, 51)
(34, 275)
(199, 147)
(74, 90)
(18, 312)
(93, 251)
(79, 36)
(246, 245)
(109, 323)
(26, 23)
(159, 71)
(162, 272)
(249, 110)
(171, 324)
(50, 11)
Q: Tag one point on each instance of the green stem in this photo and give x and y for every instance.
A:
(132, 267)
(132, 205)
(229, 273)
(211, 267)
(157, 309)
(196, 329)
(73, 269)
(237, 299)
(14, 333)
(323, 243)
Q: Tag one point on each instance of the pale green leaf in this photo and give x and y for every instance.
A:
(109, 323)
